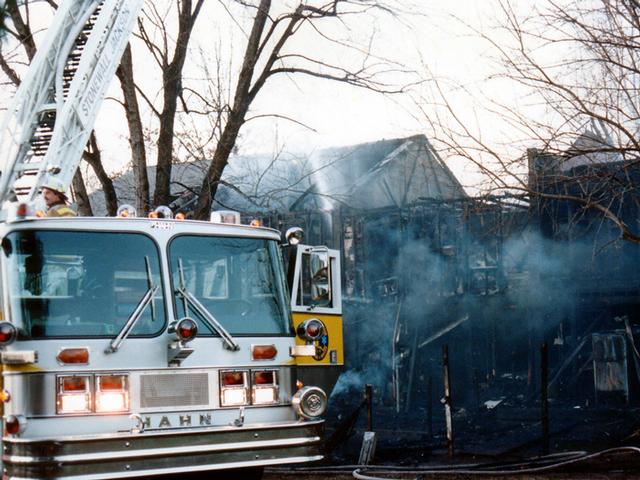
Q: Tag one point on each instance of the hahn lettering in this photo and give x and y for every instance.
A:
(165, 421)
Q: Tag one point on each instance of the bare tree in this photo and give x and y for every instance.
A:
(21, 28)
(171, 65)
(576, 64)
(136, 132)
(93, 156)
(266, 55)
(269, 51)
(81, 195)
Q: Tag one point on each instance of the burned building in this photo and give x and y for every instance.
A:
(425, 265)
(493, 279)
(586, 204)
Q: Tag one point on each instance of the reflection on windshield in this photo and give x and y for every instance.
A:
(238, 280)
(76, 284)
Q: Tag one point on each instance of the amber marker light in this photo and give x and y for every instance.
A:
(263, 352)
(256, 222)
(126, 211)
(73, 356)
(180, 216)
(233, 379)
(5, 396)
(154, 214)
(40, 214)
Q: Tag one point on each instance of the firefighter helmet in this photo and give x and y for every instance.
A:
(55, 185)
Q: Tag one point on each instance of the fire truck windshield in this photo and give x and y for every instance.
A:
(81, 284)
(239, 281)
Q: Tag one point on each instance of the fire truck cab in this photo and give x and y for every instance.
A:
(134, 347)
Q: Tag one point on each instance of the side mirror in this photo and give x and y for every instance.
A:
(320, 271)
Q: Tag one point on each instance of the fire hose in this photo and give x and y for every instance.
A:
(533, 465)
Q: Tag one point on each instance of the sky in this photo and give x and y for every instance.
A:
(431, 38)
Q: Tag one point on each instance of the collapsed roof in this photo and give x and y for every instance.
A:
(393, 172)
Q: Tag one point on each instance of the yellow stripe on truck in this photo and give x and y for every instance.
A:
(333, 324)
(30, 368)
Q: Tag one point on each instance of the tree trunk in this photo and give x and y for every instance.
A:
(93, 157)
(172, 84)
(22, 29)
(218, 164)
(81, 196)
(162, 192)
(136, 136)
(241, 102)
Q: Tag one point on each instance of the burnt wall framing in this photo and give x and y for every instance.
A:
(483, 278)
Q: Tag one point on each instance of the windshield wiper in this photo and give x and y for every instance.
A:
(150, 286)
(205, 315)
(147, 299)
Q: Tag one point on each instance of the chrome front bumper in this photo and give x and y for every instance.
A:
(160, 452)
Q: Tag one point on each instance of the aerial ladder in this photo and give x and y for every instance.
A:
(52, 115)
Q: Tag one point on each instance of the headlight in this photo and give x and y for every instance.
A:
(309, 402)
(112, 393)
(233, 388)
(311, 330)
(264, 387)
(73, 394)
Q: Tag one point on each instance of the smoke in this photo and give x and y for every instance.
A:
(537, 273)
(492, 298)
(352, 382)
(550, 281)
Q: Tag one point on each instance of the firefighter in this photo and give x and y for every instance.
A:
(54, 195)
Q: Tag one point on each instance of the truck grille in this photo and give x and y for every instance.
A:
(174, 390)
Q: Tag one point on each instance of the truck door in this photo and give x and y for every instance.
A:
(316, 306)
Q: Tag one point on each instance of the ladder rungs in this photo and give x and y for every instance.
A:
(28, 168)
(47, 107)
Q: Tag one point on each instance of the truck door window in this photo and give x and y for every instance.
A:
(80, 284)
(314, 288)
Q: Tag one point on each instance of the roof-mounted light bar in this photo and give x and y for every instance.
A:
(127, 211)
(161, 212)
(225, 216)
